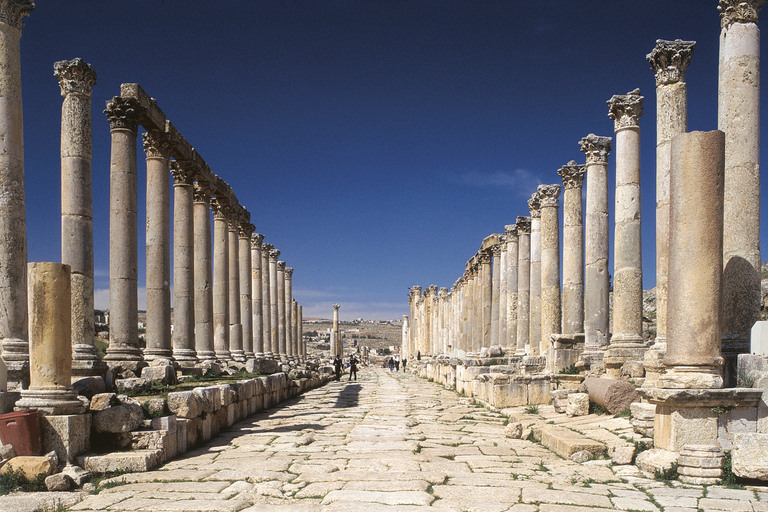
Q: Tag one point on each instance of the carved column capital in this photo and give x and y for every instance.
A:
(572, 174)
(596, 148)
(220, 207)
(510, 232)
(124, 113)
(274, 254)
(484, 257)
(202, 193)
(245, 229)
(75, 77)
(534, 205)
(281, 265)
(336, 306)
(268, 248)
(670, 59)
(13, 11)
(625, 109)
(257, 238)
(495, 250)
(157, 145)
(739, 11)
(548, 195)
(523, 225)
(288, 272)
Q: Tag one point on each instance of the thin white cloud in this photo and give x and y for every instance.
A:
(521, 180)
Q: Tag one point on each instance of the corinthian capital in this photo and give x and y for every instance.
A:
(510, 232)
(495, 250)
(13, 11)
(548, 195)
(157, 145)
(268, 248)
(739, 11)
(245, 229)
(274, 254)
(281, 266)
(124, 113)
(256, 239)
(221, 209)
(534, 205)
(75, 77)
(288, 272)
(202, 193)
(336, 306)
(523, 225)
(596, 148)
(670, 59)
(625, 109)
(572, 174)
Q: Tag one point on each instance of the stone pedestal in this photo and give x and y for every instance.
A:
(50, 328)
(669, 60)
(67, 435)
(76, 80)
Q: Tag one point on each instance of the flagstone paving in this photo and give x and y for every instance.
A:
(387, 442)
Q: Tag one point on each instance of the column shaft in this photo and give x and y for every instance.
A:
(266, 299)
(573, 248)
(221, 283)
(235, 327)
(550, 270)
(495, 296)
(257, 297)
(535, 289)
(523, 286)
(289, 325)
(202, 274)
(183, 267)
(246, 289)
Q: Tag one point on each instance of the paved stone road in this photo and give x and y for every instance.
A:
(391, 442)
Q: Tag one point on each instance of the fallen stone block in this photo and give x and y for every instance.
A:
(514, 430)
(89, 386)
(185, 404)
(614, 395)
(137, 385)
(750, 455)
(58, 482)
(621, 454)
(102, 401)
(117, 419)
(136, 461)
(578, 404)
(7, 452)
(78, 475)
(655, 460)
(165, 374)
(565, 442)
(30, 465)
(560, 399)
(582, 456)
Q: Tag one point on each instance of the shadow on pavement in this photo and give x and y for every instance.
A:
(348, 397)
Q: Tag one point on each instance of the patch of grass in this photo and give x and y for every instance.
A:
(449, 457)
(596, 408)
(667, 475)
(15, 480)
(730, 480)
(626, 413)
(98, 478)
(571, 370)
(57, 507)
(532, 409)
(417, 449)
(720, 410)
(543, 468)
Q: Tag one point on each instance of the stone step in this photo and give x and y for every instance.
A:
(565, 442)
(133, 461)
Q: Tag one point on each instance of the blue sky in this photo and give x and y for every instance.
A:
(375, 143)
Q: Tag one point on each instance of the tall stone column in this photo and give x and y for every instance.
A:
(13, 229)
(289, 348)
(523, 285)
(503, 293)
(338, 347)
(76, 80)
(550, 269)
(669, 60)
(123, 115)
(183, 266)
(300, 322)
(573, 248)
(266, 299)
(202, 273)
(534, 206)
(158, 247)
(257, 297)
(495, 295)
(477, 305)
(246, 290)
(596, 278)
(294, 346)
(512, 243)
(281, 310)
(273, 298)
(695, 262)
(221, 281)
(235, 327)
(627, 339)
(738, 115)
(414, 294)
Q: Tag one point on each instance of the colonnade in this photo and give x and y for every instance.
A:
(510, 294)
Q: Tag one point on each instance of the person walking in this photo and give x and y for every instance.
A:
(405, 361)
(337, 367)
(397, 364)
(352, 367)
(391, 364)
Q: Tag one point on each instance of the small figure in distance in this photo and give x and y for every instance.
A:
(397, 363)
(337, 367)
(391, 364)
(405, 361)
(418, 355)
(352, 367)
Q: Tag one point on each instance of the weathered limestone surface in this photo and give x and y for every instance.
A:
(573, 248)
(203, 278)
(183, 267)
(257, 294)
(550, 269)
(513, 244)
(220, 282)
(235, 327)
(534, 206)
(523, 285)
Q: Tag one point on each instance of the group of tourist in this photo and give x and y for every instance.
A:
(394, 363)
(351, 364)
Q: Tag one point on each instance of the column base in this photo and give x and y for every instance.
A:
(67, 435)
(223, 355)
(238, 355)
(622, 351)
(250, 355)
(185, 355)
(150, 354)
(692, 377)
(118, 352)
(17, 374)
(701, 464)
(90, 368)
(206, 355)
(15, 349)
(51, 401)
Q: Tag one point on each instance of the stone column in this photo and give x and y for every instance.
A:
(294, 327)
(266, 299)
(550, 270)
(235, 326)
(13, 250)
(273, 297)
(414, 293)
(503, 294)
(495, 295)
(246, 290)
(289, 348)
(738, 115)
(183, 266)
(523, 285)
(158, 247)
(626, 342)
(695, 262)
(202, 273)
(596, 279)
(76, 80)
(511, 237)
(669, 60)
(535, 291)
(300, 324)
(573, 248)
(257, 297)
(50, 328)
(476, 304)
(123, 115)
(221, 281)
(338, 348)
